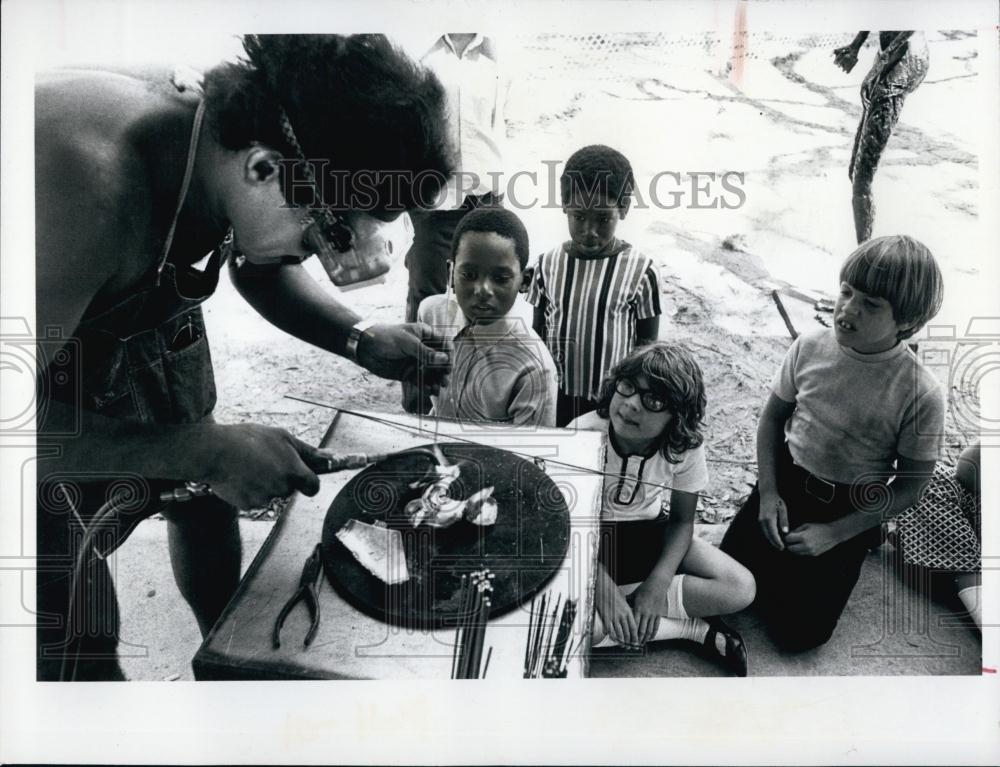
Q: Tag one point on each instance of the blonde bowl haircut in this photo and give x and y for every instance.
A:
(902, 271)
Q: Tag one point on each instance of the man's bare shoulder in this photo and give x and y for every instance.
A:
(89, 169)
(92, 182)
(84, 124)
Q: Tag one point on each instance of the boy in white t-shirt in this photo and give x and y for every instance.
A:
(850, 410)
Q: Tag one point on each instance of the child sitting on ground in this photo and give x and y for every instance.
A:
(850, 409)
(501, 370)
(943, 530)
(655, 580)
(596, 297)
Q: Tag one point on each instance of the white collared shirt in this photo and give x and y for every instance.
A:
(476, 96)
(501, 372)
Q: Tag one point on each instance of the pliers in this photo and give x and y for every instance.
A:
(307, 591)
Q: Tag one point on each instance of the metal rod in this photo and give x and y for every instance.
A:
(486, 667)
(784, 315)
(458, 629)
(549, 629)
(537, 644)
(422, 431)
(527, 644)
(467, 606)
(479, 637)
(447, 304)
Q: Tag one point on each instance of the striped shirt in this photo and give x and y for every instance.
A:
(591, 309)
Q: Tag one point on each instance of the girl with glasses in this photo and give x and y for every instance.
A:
(656, 580)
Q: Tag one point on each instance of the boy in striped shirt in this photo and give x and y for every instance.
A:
(596, 297)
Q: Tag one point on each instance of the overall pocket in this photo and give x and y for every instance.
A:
(176, 384)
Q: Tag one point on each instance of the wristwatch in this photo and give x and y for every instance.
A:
(353, 337)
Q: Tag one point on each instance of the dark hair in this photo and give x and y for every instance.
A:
(903, 272)
(355, 101)
(674, 375)
(597, 171)
(498, 220)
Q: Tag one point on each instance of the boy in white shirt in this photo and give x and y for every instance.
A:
(501, 369)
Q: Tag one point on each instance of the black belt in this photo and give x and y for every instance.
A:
(822, 490)
(819, 488)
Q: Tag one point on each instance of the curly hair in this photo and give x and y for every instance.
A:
(674, 375)
(597, 170)
(901, 270)
(355, 101)
(498, 220)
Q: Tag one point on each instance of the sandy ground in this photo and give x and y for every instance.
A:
(670, 105)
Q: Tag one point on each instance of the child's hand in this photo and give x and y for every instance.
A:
(773, 518)
(649, 602)
(811, 539)
(616, 613)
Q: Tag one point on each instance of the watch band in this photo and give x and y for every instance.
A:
(353, 337)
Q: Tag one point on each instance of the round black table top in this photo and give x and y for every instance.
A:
(523, 549)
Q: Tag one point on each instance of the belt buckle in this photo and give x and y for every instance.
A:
(819, 488)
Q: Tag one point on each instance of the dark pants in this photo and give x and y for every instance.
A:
(799, 597)
(569, 407)
(629, 550)
(78, 614)
(146, 360)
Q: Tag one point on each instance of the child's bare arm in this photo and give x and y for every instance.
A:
(650, 599)
(812, 539)
(773, 517)
(647, 330)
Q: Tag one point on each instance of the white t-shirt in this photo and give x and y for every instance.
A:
(855, 414)
(638, 487)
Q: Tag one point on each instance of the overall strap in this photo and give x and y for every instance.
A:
(188, 172)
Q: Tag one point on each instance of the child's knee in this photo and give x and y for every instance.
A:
(800, 638)
(744, 587)
(740, 587)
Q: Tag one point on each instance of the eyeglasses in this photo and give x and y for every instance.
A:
(652, 402)
(325, 231)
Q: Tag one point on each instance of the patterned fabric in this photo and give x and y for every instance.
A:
(591, 309)
(942, 531)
